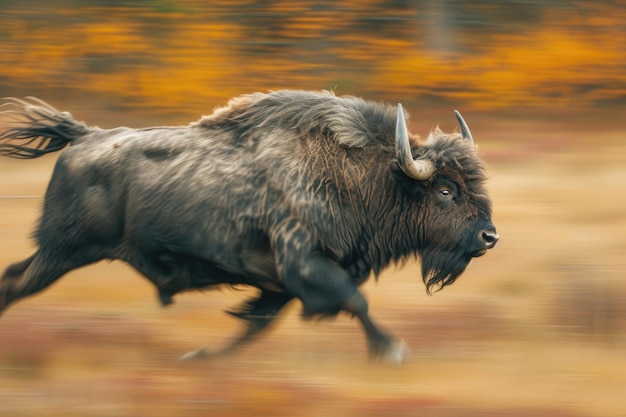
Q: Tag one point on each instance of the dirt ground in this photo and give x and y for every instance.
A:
(537, 327)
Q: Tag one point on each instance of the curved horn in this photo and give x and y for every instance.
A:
(420, 169)
(465, 132)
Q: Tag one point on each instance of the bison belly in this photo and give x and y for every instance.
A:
(184, 257)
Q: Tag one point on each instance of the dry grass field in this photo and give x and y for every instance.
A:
(537, 327)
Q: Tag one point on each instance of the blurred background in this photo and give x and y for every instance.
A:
(536, 327)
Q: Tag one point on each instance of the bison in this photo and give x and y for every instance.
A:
(302, 195)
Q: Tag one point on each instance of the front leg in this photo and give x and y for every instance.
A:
(381, 345)
(325, 289)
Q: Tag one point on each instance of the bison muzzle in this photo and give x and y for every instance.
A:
(299, 194)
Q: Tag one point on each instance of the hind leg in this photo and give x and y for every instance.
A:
(32, 275)
(258, 313)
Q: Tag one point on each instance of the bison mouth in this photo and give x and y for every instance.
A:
(479, 253)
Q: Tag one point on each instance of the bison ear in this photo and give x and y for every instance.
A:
(414, 189)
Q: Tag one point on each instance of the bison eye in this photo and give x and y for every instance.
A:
(445, 193)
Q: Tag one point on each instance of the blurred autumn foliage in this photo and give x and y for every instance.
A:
(160, 54)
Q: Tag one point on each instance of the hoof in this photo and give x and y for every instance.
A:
(396, 353)
(196, 355)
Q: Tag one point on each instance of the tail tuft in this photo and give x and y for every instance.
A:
(36, 128)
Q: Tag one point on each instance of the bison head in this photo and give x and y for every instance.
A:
(453, 223)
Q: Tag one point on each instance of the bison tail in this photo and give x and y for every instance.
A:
(36, 128)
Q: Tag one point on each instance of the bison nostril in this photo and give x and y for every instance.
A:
(490, 238)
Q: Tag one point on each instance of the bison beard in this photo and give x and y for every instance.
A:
(441, 268)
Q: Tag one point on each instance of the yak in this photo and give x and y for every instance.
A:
(301, 195)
